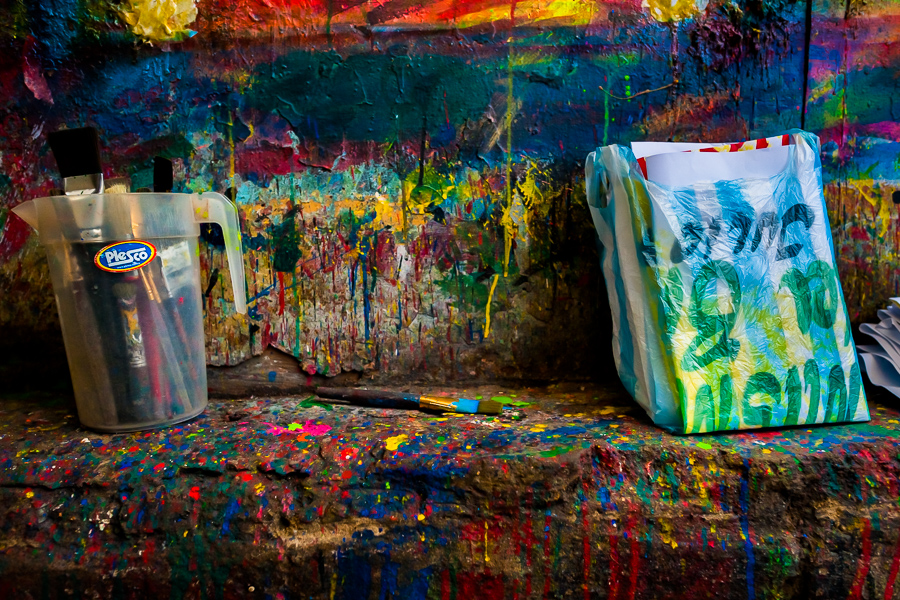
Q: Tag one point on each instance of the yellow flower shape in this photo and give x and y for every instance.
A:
(160, 20)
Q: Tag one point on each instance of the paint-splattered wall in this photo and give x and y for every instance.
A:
(409, 173)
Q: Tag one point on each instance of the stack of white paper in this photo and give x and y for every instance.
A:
(882, 361)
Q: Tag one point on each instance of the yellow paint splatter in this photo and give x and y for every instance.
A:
(487, 309)
(667, 11)
(867, 189)
(394, 442)
(160, 20)
(667, 533)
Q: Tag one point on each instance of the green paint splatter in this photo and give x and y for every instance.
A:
(704, 445)
(311, 402)
(556, 451)
(508, 400)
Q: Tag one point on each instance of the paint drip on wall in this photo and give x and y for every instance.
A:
(160, 20)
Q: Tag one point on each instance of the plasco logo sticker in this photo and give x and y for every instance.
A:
(125, 256)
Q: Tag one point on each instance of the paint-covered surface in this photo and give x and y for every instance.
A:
(570, 494)
(409, 174)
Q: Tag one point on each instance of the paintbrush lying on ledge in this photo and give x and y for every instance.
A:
(385, 399)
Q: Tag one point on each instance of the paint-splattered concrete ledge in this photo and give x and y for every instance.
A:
(572, 494)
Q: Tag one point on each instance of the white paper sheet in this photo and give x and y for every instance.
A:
(644, 149)
(881, 362)
(873, 349)
(684, 169)
(882, 373)
(885, 342)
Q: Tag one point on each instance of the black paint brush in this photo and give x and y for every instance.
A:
(163, 176)
(386, 399)
(77, 153)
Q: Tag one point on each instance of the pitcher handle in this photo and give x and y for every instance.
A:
(211, 207)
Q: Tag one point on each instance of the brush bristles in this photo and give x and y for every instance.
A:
(489, 407)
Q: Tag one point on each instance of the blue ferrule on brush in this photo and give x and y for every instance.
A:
(466, 406)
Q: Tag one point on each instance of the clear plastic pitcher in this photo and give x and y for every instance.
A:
(126, 275)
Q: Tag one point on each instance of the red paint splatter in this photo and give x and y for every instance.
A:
(194, 493)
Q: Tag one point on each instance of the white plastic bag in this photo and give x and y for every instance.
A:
(727, 307)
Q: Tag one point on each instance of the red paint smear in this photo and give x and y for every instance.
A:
(586, 545)
(547, 578)
(863, 569)
(858, 233)
(33, 74)
(445, 584)
(529, 541)
(635, 555)
(613, 565)
(479, 585)
(274, 161)
(13, 236)
(280, 293)
(892, 574)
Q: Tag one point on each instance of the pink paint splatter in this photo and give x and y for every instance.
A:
(309, 428)
(33, 73)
